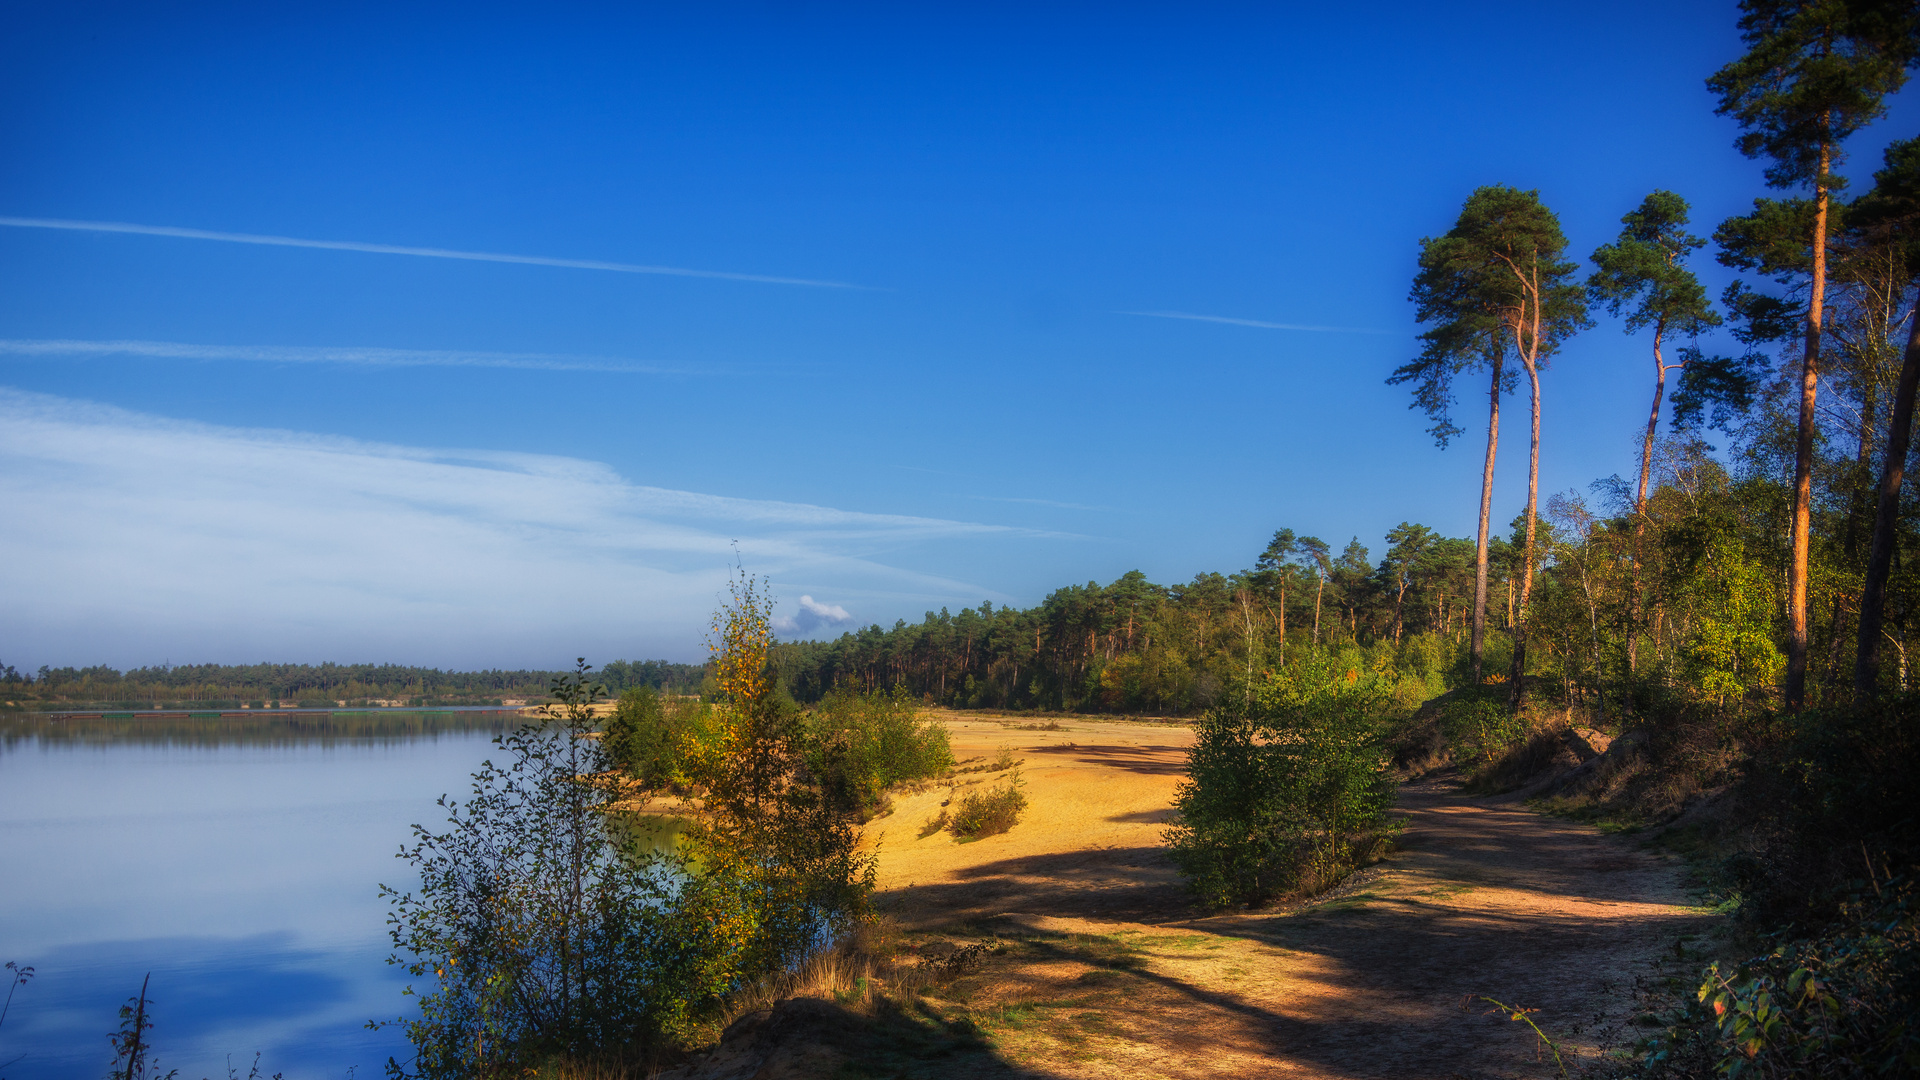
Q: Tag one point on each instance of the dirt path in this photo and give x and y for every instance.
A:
(1100, 969)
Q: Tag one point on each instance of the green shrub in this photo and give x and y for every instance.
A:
(1481, 728)
(1822, 788)
(1841, 1004)
(1288, 784)
(985, 813)
(869, 743)
(655, 739)
(542, 932)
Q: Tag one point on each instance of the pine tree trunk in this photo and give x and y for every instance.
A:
(1640, 499)
(1530, 356)
(1517, 671)
(1795, 690)
(1873, 596)
(1486, 511)
(1283, 622)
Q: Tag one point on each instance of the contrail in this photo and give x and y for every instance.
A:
(305, 354)
(1253, 322)
(395, 249)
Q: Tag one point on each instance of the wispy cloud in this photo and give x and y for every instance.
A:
(397, 249)
(1037, 502)
(1253, 322)
(129, 538)
(322, 354)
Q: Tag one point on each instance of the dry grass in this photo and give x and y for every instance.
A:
(574, 1070)
(1648, 781)
(860, 966)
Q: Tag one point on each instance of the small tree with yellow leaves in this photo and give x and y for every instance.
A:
(782, 829)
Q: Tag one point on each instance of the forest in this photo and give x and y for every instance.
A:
(1777, 568)
(316, 685)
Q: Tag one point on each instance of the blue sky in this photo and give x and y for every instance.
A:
(912, 371)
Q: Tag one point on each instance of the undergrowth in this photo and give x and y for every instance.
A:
(989, 812)
(1814, 973)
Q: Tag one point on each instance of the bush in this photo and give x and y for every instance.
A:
(658, 741)
(1480, 729)
(1288, 784)
(546, 933)
(555, 940)
(1822, 788)
(986, 813)
(871, 742)
(1841, 1004)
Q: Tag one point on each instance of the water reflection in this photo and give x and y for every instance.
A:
(238, 860)
(210, 998)
(264, 730)
(652, 834)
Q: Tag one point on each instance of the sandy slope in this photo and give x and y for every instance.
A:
(1099, 795)
(1102, 970)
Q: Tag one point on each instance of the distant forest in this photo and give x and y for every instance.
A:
(1782, 569)
(313, 685)
(1136, 647)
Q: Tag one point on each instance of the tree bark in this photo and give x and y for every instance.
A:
(1530, 356)
(1873, 595)
(1795, 689)
(1640, 499)
(1516, 677)
(1486, 511)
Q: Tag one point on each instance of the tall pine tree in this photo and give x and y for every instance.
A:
(1815, 72)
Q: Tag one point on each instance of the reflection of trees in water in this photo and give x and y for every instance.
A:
(657, 842)
(284, 730)
(650, 833)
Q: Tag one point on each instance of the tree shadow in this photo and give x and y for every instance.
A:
(1151, 760)
(1135, 884)
(888, 1037)
(1383, 980)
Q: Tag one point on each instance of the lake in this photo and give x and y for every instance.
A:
(239, 861)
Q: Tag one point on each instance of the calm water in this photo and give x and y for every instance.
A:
(238, 861)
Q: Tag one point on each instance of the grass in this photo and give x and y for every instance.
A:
(1189, 941)
(983, 1004)
(1351, 902)
(987, 813)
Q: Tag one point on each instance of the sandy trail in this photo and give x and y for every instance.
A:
(1103, 970)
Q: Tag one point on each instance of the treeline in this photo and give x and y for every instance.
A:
(319, 685)
(1138, 647)
(1784, 569)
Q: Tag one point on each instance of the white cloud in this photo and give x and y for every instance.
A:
(130, 538)
(325, 354)
(812, 617)
(396, 249)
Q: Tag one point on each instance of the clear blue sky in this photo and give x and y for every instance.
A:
(233, 451)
